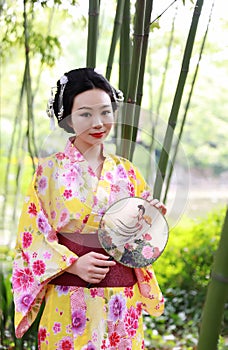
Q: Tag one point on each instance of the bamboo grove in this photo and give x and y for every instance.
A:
(133, 63)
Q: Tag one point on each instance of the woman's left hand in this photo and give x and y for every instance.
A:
(159, 205)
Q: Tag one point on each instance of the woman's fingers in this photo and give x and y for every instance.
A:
(91, 267)
(159, 205)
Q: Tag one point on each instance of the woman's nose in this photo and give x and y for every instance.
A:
(97, 121)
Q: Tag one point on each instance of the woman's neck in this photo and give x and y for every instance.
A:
(93, 155)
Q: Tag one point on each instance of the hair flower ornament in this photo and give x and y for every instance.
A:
(120, 96)
(63, 80)
(50, 110)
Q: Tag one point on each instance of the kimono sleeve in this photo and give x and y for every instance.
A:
(38, 259)
(151, 295)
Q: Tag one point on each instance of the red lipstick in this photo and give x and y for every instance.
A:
(98, 135)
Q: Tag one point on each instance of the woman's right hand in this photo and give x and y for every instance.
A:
(91, 267)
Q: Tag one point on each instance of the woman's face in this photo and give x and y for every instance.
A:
(91, 117)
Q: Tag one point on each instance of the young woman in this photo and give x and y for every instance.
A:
(67, 198)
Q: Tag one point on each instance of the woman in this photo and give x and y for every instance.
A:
(69, 193)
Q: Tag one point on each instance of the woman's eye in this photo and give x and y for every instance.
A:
(107, 113)
(85, 114)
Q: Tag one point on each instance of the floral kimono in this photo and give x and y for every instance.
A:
(66, 196)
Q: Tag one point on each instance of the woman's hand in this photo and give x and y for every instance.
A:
(159, 205)
(91, 267)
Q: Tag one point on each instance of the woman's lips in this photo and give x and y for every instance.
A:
(98, 135)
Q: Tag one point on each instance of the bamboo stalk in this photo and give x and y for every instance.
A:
(124, 68)
(170, 171)
(115, 35)
(217, 294)
(148, 10)
(94, 6)
(163, 160)
(11, 146)
(125, 49)
(128, 121)
(161, 91)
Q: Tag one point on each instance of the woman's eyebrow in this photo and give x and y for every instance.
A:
(84, 107)
(100, 106)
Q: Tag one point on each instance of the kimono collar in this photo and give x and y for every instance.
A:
(74, 154)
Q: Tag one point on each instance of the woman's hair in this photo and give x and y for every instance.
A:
(141, 207)
(75, 82)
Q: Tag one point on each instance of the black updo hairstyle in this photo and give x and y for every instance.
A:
(80, 80)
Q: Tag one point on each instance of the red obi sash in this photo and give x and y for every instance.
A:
(83, 243)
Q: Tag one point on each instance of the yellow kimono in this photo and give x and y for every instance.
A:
(66, 196)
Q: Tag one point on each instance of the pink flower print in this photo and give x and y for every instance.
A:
(24, 303)
(156, 252)
(109, 176)
(147, 237)
(26, 239)
(139, 308)
(67, 194)
(47, 255)
(121, 172)
(39, 170)
(91, 172)
(42, 223)
(60, 155)
(145, 194)
(115, 188)
(90, 346)
(53, 214)
(114, 339)
(93, 292)
(64, 217)
(131, 189)
(42, 334)
(57, 327)
(117, 307)
(103, 345)
(42, 184)
(131, 322)
(62, 290)
(95, 200)
(147, 252)
(128, 292)
(25, 257)
(131, 173)
(32, 209)
(38, 267)
(78, 322)
(70, 177)
(85, 219)
(34, 255)
(148, 276)
(22, 279)
(66, 343)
